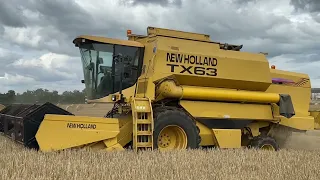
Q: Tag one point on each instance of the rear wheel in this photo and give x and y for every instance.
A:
(173, 129)
(264, 142)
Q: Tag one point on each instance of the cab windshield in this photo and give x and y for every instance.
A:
(109, 68)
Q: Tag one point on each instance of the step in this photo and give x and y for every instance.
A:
(144, 144)
(144, 121)
(144, 133)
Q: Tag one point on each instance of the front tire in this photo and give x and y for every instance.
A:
(174, 130)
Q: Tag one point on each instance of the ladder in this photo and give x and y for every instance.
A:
(142, 124)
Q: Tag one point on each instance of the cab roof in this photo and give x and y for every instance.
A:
(106, 40)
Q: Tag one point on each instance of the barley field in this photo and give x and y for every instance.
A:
(300, 163)
(18, 163)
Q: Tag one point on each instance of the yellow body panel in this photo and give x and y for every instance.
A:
(300, 97)
(113, 145)
(58, 132)
(301, 123)
(209, 65)
(127, 93)
(206, 134)
(125, 134)
(227, 110)
(228, 138)
(208, 137)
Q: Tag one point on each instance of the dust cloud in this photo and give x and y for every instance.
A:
(289, 138)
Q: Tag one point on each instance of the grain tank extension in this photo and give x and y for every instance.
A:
(176, 90)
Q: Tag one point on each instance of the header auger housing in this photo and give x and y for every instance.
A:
(174, 90)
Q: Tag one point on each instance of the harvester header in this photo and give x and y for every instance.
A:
(172, 90)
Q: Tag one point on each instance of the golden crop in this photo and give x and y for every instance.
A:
(17, 163)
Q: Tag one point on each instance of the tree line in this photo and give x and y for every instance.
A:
(41, 96)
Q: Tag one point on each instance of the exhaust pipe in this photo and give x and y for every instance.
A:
(20, 122)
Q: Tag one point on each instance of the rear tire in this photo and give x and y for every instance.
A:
(174, 129)
(264, 142)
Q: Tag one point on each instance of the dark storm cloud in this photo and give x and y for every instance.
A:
(66, 20)
(60, 21)
(65, 15)
(10, 15)
(306, 5)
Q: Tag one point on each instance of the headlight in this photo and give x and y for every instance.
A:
(140, 107)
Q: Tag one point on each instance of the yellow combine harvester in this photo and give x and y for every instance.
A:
(171, 90)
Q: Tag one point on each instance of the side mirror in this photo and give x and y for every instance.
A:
(82, 81)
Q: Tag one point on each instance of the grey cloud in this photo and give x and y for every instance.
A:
(50, 69)
(1, 30)
(61, 21)
(306, 5)
(10, 15)
(269, 33)
(7, 58)
(303, 58)
(236, 21)
(244, 2)
(40, 74)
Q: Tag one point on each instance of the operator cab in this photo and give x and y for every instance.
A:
(109, 65)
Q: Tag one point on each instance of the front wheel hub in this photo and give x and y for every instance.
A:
(172, 137)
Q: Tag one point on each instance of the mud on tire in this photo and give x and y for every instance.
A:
(259, 141)
(173, 116)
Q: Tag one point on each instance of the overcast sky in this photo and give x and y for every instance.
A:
(36, 49)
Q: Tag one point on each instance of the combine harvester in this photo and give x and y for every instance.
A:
(170, 90)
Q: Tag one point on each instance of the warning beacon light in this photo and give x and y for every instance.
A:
(128, 32)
